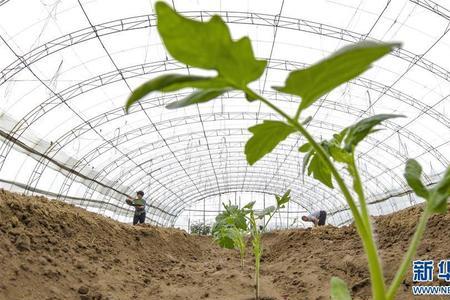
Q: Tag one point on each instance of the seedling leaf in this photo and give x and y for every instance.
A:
(265, 212)
(306, 160)
(320, 171)
(266, 137)
(198, 97)
(357, 132)
(223, 237)
(249, 205)
(305, 148)
(413, 172)
(208, 45)
(440, 194)
(340, 155)
(173, 82)
(339, 289)
(231, 216)
(315, 164)
(281, 201)
(313, 82)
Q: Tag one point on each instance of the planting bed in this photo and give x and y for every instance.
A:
(52, 250)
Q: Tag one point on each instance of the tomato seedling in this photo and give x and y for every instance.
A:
(209, 46)
(235, 223)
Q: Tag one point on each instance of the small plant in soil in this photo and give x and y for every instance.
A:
(200, 228)
(235, 223)
(209, 46)
(230, 229)
(256, 230)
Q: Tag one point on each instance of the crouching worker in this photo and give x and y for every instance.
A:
(318, 217)
(139, 207)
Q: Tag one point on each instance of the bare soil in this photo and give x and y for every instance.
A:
(53, 250)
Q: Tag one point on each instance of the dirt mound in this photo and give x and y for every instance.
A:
(52, 250)
(306, 259)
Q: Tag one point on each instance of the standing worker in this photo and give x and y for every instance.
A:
(139, 207)
(318, 217)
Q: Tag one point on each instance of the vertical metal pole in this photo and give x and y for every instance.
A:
(264, 206)
(287, 216)
(204, 208)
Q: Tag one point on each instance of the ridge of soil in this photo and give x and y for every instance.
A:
(52, 250)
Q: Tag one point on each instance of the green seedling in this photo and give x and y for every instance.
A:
(230, 229)
(200, 229)
(235, 223)
(256, 230)
(209, 46)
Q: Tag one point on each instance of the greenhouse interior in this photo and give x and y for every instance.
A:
(211, 149)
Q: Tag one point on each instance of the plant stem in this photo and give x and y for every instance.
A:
(257, 264)
(378, 287)
(323, 155)
(409, 254)
(297, 113)
(268, 220)
(242, 252)
(257, 251)
(360, 192)
(376, 273)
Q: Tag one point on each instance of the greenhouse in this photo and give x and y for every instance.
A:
(224, 149)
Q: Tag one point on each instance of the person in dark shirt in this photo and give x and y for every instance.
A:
(139, 207)
(317, 217)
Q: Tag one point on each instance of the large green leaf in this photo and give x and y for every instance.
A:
(315, 164)
(357, 132)
(313, 82)
(440, 194)
(340, 155)
(335, 150)
(320, 170)
(233, 215)
(305, 148)
(174, 82)
(413, 172)
(266, 137)
(307, 159)
(208, 45)
(224, 236)
(339, 289)
(198, 97)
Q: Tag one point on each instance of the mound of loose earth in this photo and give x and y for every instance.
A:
(52, 250)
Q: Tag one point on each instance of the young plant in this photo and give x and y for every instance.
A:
(230, 229)
(234, 223)
(256, 230)
(209, 46)
(200, 228)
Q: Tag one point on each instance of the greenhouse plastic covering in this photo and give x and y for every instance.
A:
(67, 68)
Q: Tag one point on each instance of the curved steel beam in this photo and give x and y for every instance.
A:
(77, 132)
(83, 128)
(262, 191)
(246, 18)
(294, 174)
(433, 7)
(141, 152)
(96, 82)
(127, 136)
(171, 125)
